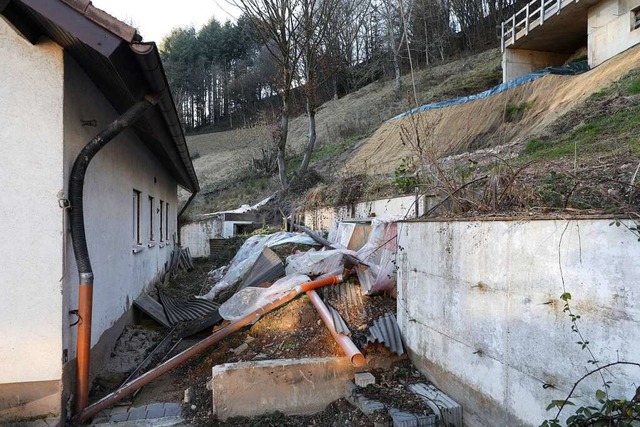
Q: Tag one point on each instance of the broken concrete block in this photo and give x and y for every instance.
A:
(440, 403)
(366, 406)
(291, 386)
(407, 419)
(240, 349)
(363, 379)
(188, 395)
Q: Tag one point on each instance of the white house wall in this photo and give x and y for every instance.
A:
(123, 165)
(196, 235)
(31, 87)
(609, 29)
(479, 309)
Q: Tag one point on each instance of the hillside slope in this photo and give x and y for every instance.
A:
(218, 156)
(487, 122)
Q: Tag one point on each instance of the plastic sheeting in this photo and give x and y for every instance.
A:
(318, 263)
(379, 253)
(569, 69)
(248, 300)
(249, 254)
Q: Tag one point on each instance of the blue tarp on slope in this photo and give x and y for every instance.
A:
(571, 69)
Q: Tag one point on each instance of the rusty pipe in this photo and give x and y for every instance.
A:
(351, 351)
(179, 359)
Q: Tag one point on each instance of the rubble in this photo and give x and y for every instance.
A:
(256, 280)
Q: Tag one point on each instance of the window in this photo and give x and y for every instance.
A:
(136, 217)
(635, 19)
(151, 207)
(166, 222)
(161, 220)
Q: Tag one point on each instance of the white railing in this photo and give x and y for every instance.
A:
(532, 15)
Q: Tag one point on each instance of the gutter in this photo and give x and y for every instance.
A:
(149, 60)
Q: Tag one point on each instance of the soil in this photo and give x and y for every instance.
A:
(390, 388)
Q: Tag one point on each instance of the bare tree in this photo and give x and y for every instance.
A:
(278, 27)
(396, 14)
(317, 18)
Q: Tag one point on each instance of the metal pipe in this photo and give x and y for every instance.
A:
(184, 208)
(352, 352)
(79, 241)
(180, 358)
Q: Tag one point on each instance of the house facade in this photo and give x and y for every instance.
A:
(550, 32)
(68, 71)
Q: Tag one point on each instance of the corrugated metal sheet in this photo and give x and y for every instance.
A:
(267, 268)
(441, 404)
(338, 322)
(178, 310)
(385, 331)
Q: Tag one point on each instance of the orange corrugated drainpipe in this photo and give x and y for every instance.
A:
(179, 359)
(352, 352)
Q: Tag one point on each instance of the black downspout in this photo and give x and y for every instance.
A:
(79, 241)
(182, 211)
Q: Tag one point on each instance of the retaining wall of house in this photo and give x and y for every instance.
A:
(479, 307)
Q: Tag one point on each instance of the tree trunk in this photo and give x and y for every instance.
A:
(282, 141)
(311, 112)
(397, 85)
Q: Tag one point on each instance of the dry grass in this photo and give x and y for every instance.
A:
(223, 156)
(482, 123)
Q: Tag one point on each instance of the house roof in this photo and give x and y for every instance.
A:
(122, 66)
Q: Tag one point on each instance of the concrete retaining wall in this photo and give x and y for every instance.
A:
(291, 386)
(327, 219)
(479, 309)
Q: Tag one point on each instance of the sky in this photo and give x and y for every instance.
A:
(154, 19)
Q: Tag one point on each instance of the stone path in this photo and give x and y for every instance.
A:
(165, 414)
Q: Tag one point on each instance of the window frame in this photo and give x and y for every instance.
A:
(137, 196)
(635, 18)
(161, 220)
(166, 221)
(151, 209)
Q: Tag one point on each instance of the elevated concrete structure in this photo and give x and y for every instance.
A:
(547, 32)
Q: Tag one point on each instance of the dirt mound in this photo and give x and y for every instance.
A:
(486, 122)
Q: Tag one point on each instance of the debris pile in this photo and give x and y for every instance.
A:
(346, 281)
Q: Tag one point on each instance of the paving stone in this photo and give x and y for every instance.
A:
(137, 413)
(363, 379)
(368, 406)
(171, 410)
(155, 410)
(118, 418)
(407, 419)
(119, 410)
(100, 420)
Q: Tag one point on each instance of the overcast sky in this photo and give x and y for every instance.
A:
(156, 18)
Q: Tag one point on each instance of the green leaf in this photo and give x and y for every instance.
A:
(565, 297)
(600, 395)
